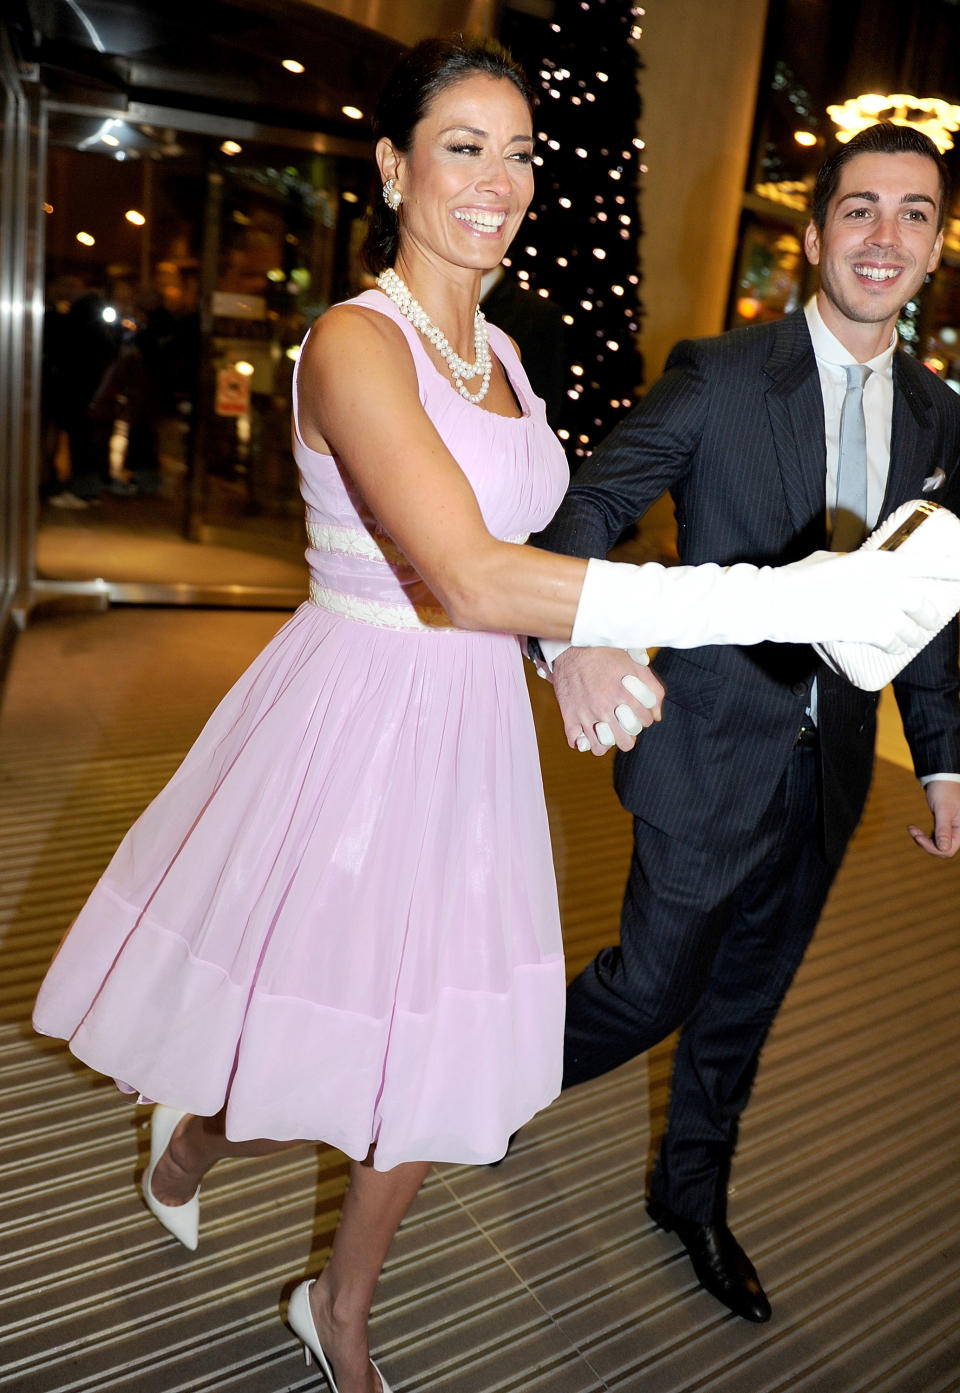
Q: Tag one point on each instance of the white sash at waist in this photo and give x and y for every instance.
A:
(382, 613)
(385, 614)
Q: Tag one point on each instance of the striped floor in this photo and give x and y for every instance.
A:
(543, 1274)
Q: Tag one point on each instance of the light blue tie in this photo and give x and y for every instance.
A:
(850, 509)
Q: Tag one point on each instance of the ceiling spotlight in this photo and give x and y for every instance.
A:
(292, 66)
(353, 112)
(136, 218)
(230, 147)
(86, 239)
(805, 137)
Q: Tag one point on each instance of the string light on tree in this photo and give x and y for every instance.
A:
(581, 250)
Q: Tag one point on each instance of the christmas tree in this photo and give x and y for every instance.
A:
(580, 244)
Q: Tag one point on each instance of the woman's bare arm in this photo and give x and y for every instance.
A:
(359, 399)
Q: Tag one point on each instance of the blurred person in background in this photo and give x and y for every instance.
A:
(87, 347)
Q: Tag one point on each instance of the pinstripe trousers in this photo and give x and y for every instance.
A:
(710, 944)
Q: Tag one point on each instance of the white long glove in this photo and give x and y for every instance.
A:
(883, 598)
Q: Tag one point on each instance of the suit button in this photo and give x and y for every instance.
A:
(799, 689)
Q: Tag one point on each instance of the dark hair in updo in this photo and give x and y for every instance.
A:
(422, 74)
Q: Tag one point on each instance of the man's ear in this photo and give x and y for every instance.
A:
(934, 261)
(811, 243)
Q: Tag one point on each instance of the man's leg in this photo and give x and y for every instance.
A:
(639, 991)
(774, 918)
(771, 924)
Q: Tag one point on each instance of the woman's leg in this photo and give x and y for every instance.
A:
(373, 1208)
(342, 1295)
(198, 1142)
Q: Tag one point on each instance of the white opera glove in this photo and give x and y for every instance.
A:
(882, 598)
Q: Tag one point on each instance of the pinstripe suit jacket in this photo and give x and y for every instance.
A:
(735, 430)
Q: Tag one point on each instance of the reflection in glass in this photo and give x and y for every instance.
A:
(770, 276)
(178, 325)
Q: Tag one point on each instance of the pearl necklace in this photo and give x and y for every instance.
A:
(395, 289)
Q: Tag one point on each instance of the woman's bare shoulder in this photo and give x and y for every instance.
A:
(350, 327)
(351, 348)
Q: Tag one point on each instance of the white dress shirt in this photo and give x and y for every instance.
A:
(832, 361)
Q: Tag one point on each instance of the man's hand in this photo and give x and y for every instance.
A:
(943, 796)
(605, 688)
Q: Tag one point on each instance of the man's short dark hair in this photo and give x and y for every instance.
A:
(882, 139)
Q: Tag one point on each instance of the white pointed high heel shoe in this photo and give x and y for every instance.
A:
(301, 1322)
(182, 1220)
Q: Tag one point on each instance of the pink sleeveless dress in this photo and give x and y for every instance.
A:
(340, 915)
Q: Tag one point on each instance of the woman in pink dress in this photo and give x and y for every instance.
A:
(338, 921)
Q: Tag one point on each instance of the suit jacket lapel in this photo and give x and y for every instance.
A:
(795, 409)
(911, 434)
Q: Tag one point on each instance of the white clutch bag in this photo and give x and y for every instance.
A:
(922, 527)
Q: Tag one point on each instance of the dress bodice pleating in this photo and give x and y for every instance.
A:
(515, 466)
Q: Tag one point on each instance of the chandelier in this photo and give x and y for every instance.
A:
(931, 115)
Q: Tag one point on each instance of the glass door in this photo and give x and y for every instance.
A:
(183, 271)
(282, 232)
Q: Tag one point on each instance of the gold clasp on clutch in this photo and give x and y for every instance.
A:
(909, 525)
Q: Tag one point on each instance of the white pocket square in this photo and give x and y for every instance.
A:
(933, 481)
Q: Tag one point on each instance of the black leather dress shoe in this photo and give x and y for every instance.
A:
(718, 1260)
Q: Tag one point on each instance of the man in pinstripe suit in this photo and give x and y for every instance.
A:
(747, 792)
